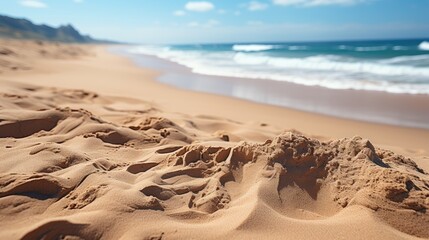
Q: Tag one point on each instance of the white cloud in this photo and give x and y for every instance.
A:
(199, 6)
(312, 3)
(256, 6)
(288, 2)
(77, 1)
(179, 13)
(208, 24)
(33, 4)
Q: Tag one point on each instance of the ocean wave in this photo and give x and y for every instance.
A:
(424, 46)
(254, 47)
(397, 75)
(406, 60)
(326, 63)
(371, 49)
(149, 49)
(399, 48)
(297, 48)
(345, 47)
(309, 78)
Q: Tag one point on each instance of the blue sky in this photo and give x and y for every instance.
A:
(181, 21)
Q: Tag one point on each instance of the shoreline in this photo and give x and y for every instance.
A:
(141, 84)
(332, 66)
(403, 110)
(89, 139)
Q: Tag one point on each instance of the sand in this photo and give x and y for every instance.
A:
(93, 148)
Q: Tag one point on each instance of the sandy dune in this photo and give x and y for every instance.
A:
(80, 164)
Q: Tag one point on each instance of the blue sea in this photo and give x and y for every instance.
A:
(395, 66)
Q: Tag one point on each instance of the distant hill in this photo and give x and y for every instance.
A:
(20, 28)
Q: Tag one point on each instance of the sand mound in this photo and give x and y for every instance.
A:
(6, 51)
(82, 166)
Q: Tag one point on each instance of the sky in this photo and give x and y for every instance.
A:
(216, 21)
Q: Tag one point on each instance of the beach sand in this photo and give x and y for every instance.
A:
(93, 147)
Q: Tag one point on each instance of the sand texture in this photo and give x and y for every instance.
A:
(82, 164)
(23, 55)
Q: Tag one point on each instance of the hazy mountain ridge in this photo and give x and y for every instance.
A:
(21, 28)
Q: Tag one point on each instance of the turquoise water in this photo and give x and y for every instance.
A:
(396, 66)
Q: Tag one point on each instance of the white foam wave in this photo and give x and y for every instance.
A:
(329, 71)
(149, 50)
(370, 49)
(297, 48)
(406, 60)
(325, 63)
(399, 48)
(253, 47)
(424, 46)
(345, 47)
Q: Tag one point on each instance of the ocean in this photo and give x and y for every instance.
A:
(395, 66)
